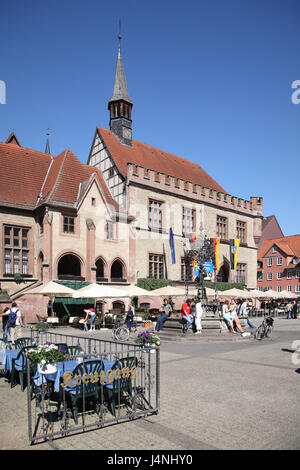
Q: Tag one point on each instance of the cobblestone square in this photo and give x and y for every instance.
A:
(216, 393)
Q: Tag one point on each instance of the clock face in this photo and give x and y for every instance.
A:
(126, 132)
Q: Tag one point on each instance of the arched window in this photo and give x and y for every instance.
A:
(69, 267)
(100, 273)
(116, 272)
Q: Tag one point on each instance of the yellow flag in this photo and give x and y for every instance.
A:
(236, 251)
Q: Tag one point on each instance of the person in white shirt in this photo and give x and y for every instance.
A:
(15, 330)
(244, 313)
(90, 314)
(198, 316)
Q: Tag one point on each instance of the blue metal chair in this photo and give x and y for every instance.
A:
(23, 342)
(21, 371)
(88, 390)
(122, 385)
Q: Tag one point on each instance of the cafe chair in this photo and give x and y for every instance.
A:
(23, 342)
(63, 346)
(120, 386)
(4, 345)
(19, 368)
(75, 350)
(88, 390)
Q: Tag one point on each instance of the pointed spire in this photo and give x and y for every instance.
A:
(47, 150)
(120, 86)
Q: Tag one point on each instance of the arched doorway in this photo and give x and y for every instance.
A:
(117, 271)
(223, 274)
(69, 267)
(101, 270)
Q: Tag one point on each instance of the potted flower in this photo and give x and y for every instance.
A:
(148, 339)
(147, 320)
(47, 357)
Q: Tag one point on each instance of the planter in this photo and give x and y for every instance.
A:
(47, 369)
(149, 348)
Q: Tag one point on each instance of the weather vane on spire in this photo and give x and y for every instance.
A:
(47, 149)
(119, 35)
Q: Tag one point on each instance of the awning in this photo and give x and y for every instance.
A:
(69, 305)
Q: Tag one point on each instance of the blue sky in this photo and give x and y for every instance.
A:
(210, 81)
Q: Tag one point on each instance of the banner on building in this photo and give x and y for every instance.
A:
(172, 246)
(209, 268)
(234, 251)
(216, 246)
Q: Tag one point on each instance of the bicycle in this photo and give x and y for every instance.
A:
(265, 329)
(120, 332)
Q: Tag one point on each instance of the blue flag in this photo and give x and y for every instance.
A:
(172, 247)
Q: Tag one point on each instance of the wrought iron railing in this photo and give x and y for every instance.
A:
(126, 387)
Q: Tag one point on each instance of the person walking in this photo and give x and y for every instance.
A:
(129, 317)
(14, 323)
(294, 309)
(288, 310)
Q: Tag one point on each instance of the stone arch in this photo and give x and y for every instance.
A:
(118, 270)
(102, 269)
(224, 272)
(69, 266)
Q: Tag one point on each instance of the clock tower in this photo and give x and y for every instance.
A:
(120, 105)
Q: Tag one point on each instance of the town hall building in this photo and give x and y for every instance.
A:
(108, 220)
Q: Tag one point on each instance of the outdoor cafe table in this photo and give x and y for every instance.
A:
(7, 356)
(62, 367)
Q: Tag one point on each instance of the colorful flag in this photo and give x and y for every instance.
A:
(195, 235)
(216, 246)
(209, 268)
(234, 251)
(172, 246)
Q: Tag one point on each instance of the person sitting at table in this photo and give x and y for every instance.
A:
(90, 314)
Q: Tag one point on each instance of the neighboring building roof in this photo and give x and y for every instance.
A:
(155, 159)
(29, 178)
(289, 245)
(22, 174)
(270, 229)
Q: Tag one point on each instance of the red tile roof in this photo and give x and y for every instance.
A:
(158, 160)
(22, 175)
(289, 245)
(25, 172)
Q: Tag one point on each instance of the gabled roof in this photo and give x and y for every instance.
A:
(22, 174)
(29, 178)
(155, 159)
(288, 245)
(12, 139)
